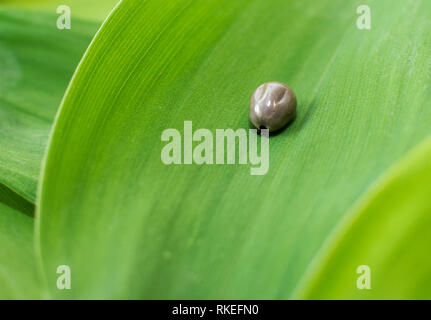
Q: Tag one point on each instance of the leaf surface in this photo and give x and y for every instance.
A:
(388, 231)
(13, 200)
(95, 10)
(37, 61)
(18, 277)
(131, 227)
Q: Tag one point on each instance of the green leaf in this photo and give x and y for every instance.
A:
(37, 61)
(18, 278)
(13, 200)
(131, 227)
(388, 231)
(96, 10)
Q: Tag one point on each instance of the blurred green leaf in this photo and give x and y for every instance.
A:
(13, 200)
(131, 227)
(18, 278)
(388, 231)
(96, 10)
(37, 61)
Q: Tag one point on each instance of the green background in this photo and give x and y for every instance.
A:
(348, 180)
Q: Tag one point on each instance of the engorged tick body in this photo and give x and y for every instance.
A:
(272, 106)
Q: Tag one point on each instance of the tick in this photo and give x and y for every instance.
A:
(272, 106)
